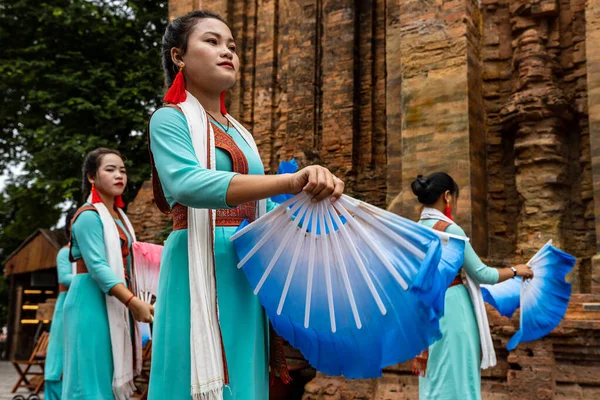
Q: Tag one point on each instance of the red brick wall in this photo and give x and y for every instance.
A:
(538, 141)
(380, 91)
(592, 53)
(312, 84)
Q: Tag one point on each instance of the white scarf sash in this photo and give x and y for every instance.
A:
(118, 315)
(207, 369)
(488, 354)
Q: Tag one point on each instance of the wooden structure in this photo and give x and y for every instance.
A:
(31, 269)
(32, 380)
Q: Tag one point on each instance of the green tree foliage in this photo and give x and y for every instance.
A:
(75, 75)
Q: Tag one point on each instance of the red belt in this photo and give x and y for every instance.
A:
(457, 281)
(81, 268)
(229, 217)
(62, 288)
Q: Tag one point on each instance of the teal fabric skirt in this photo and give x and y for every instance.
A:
(52, 390)
(454, 364)
(53, 367)
(88, 362)
(243, 322)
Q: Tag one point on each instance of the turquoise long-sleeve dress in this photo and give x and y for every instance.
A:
(53, 369)
(244, 325)
(88, 361)
(454, 364)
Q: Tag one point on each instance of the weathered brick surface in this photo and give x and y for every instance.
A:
(442, 118)
(591, 53)
(538, 138)
(150, 225)
(311, 84)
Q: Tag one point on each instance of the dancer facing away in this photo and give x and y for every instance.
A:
(210, 329)
(103, 351)
(454, 362)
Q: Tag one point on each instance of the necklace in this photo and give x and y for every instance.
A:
(226, 129)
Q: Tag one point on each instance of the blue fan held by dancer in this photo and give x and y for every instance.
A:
(543, 300)
(353, 287)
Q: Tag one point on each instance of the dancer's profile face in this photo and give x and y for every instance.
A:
(210, 61)
(111, 177)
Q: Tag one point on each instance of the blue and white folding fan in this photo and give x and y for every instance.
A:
(543, 299)
(358, 292)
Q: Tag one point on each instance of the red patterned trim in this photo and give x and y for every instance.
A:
(441, 225)
(225, 142)
(180, 217)
(235, 216)
(225, 217)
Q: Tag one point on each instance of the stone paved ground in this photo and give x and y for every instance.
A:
(8, 377)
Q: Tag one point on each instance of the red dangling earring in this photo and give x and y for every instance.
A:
(176, 93)
(95, 196)
(223, 109)
(448, 212)
(119, 201)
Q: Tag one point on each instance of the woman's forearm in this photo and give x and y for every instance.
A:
(120, 292)
(505, 274)
(247, 188)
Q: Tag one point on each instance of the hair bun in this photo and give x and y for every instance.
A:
(420, 187)
(428, 190)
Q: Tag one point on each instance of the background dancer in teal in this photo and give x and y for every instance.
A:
(53, 368)
(103, 343)
(207, 168)
(454, 362)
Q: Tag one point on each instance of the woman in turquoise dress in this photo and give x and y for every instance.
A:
(53, 368)
(93, 370)
(454, 362)
(200, 46)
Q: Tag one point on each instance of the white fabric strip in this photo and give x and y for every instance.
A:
(207, 369)
(118, 315)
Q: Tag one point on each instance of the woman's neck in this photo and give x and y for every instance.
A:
(109, 202)
(439, 205)
(211, 103)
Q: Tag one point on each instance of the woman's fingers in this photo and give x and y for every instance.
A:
(311, 179)
(321, 183)
(325, 185)
(524, 271)
(338, 190)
